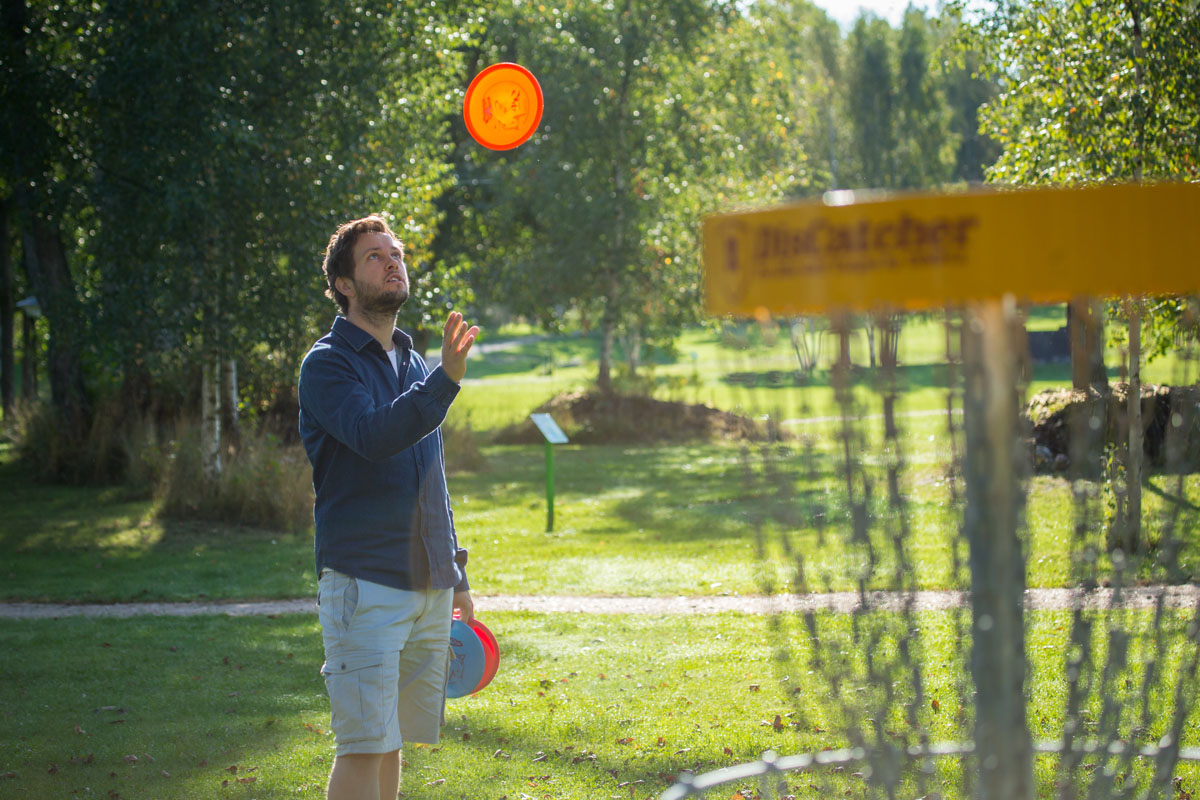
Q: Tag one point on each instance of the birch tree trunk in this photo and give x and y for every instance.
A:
(229, 396)
(210, 418)
(608, 332)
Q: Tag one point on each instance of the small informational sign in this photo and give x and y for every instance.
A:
(553, 435)
(549, 428)
(926, 251)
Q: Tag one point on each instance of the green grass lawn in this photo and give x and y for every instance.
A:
(640, 521)
(583, 706)
(503, 386)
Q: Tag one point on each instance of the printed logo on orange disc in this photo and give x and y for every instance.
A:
(503, 106)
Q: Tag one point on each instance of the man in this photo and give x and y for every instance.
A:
(390, 570)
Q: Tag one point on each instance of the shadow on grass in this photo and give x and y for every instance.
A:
(1169, 497)
(197, 701)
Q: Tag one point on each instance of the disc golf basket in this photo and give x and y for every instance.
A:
(984, 686)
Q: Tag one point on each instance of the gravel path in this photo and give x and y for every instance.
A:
(844, 602)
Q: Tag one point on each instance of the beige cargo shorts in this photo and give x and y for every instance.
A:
(386, 655)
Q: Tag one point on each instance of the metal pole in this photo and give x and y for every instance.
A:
(995, 506)
(549, 487)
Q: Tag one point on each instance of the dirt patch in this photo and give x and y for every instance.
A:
(1170, 424)
(596, 418)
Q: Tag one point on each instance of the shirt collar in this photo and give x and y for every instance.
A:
(357, 338)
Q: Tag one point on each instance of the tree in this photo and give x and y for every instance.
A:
(193, 158)
(967, 87)
(870, 92)
(925, 143)
(806, 51)
(37, 88)
(1097, 92)
(654, 112)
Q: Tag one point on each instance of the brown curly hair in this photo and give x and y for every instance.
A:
(339, 255)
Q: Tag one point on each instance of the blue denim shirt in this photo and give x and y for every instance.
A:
(382, 509)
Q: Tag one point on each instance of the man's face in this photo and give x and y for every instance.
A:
(380, 283)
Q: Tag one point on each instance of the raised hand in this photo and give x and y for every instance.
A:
(456, 343)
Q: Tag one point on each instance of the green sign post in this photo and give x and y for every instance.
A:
(553, 435)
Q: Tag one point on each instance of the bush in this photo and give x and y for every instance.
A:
(263, 483)
(107, 452)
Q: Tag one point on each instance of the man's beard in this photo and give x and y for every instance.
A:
(383, 303)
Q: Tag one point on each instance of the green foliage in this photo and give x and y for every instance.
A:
(655, 113)
(1168, 323)
(209, 151)
(1095, 91)
(900, 122)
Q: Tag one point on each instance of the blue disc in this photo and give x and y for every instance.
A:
(466, 660)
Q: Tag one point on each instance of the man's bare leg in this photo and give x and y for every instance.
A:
(365, 776)
(389, 776)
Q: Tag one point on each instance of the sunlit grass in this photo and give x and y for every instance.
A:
(584, 706)
(638, 521)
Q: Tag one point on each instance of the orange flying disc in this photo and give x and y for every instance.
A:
(503, 106)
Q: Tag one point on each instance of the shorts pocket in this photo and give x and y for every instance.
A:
(337, 600)
(358, 693)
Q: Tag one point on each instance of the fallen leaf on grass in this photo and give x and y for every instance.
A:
(88, 759)
(251, 779)
(80, 730)
(53, 769)
(131, 759)
(166, 774)
(728, 751)
(436, 782)
(7, 775)
(625, 740)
